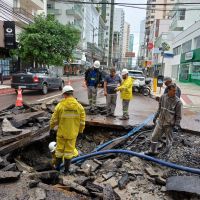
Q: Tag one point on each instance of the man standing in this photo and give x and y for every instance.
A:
(126, 93)
(92, 80)
(111, 82)
(69, 116)
(169, 116)
(168, 81)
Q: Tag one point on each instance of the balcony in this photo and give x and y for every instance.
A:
(23, 12)
(75, 11)
(54, 11)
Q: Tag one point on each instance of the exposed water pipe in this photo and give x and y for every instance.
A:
(139, 155)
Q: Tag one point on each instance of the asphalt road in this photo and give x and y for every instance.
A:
(36, 96)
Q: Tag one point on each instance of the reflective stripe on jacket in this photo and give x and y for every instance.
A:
(126, 89)
(69, 115)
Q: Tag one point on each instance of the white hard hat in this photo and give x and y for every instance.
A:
(124, 71)
(96, 64)
(67, 88)
(52, 146)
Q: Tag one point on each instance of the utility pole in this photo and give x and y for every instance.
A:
(111, 34)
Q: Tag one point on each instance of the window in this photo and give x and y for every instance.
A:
(153, 0)
(152, 16)
(152, 11)
(153, 6)
(182, 14)
(177, 50)
(197, 42)
(50, 6)
(187, 46)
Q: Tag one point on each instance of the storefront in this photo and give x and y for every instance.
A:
(190, 67)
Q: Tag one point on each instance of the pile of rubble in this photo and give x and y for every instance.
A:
(25, 162)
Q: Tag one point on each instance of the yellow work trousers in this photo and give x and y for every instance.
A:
(66, 148)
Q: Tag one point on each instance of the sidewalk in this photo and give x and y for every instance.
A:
(190, 94)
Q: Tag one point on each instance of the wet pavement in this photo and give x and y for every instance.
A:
(140, 106)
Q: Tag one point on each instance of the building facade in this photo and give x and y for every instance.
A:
(14, 16)
(186, 48)
(126, 37)
(118, 31)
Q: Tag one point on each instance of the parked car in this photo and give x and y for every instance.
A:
(37, 79)
(138, 76)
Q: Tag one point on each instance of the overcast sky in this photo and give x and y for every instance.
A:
(134, 16)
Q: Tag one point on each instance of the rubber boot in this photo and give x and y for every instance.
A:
(153, 149)
(67, 165)
(58, 163)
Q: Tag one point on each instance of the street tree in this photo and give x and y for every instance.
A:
(47, 42)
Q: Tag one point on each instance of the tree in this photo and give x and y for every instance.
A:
(46, 41)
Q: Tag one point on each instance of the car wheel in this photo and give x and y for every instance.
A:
(44, 89)
(146, 92)
(61, 86)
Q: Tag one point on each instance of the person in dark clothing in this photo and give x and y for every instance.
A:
(168, 81)
(92, 80)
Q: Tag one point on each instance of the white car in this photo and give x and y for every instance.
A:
(139, 78)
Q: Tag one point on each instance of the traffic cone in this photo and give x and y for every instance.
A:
(19, 101)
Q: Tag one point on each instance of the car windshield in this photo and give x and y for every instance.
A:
(135, 74)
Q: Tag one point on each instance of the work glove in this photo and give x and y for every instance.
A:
(176, 128)
(52, 134)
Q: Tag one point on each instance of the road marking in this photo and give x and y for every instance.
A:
(49, 97)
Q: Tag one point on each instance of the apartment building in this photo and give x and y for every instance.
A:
(126, 38)
(118, 32)
(14, 15)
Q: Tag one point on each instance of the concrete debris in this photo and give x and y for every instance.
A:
(74, 186)
(151, 172)
(90, 165)
(112, 181)
(10, 167)
(33, 183)
(24, 118)
(9, 129)
(37, 194)
(161, 181)
(108, 175)
(23, 166)
(82, 180)
(45, 175)
(109, 193)
(9, 176)
(188, 184)
(123, 181)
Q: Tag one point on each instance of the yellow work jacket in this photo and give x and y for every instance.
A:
(69, 115)
(126, 89)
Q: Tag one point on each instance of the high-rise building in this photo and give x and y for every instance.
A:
(155, 12)
(141, 50)
(87, 19)
(130, 49)
(126, 37)
(118, 31)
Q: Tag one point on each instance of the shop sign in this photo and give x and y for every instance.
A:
(196, 63)
(189, 55)
(9, 34)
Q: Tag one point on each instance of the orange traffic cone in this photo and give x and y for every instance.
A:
(19, 101)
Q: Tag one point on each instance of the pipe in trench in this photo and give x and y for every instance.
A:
(139, 155)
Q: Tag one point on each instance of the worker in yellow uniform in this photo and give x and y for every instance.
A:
(126, 93)
(69, 116)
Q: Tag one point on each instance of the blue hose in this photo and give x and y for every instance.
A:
(143, 156)
(133, 131)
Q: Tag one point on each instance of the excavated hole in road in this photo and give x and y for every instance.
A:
(186, 146)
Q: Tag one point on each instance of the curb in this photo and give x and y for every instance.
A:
(7, 91)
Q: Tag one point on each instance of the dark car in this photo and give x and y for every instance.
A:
(37, 79)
